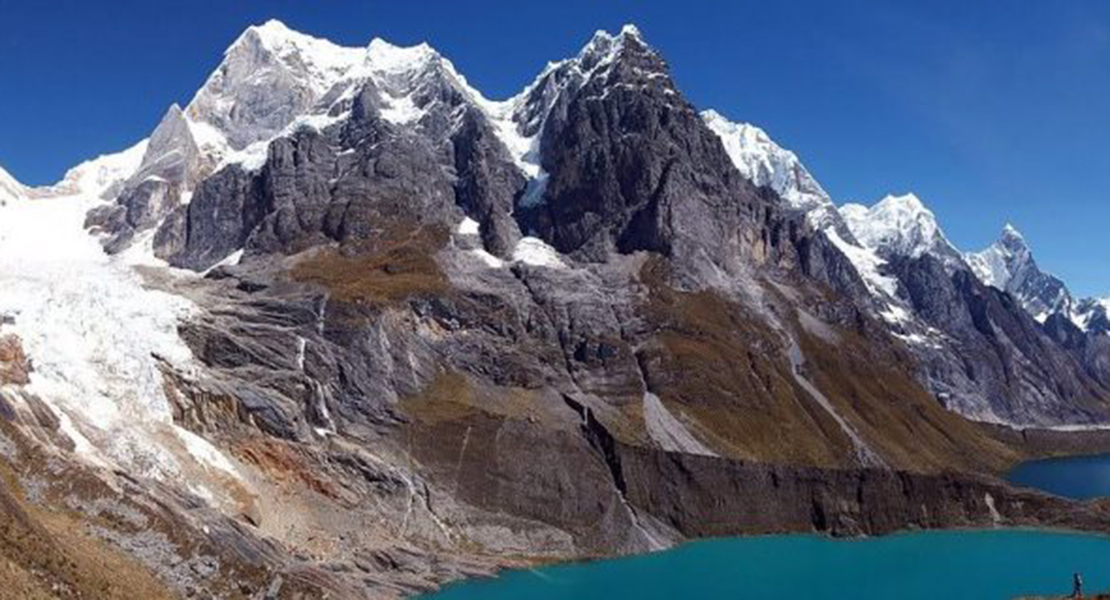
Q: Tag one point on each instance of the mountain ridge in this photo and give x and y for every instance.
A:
(375, 332)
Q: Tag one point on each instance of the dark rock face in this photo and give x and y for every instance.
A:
(822, 261)
(224, 210)
(1091, 348)
(488, 182)
(306, 195)
(316, 197)
(343, 184)
(634, 168)
(995, 351)
(703, 497)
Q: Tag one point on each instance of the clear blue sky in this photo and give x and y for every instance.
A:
(989, 110)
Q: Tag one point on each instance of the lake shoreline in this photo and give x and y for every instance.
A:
(886, 564)
(966, 493)
(1037, 442)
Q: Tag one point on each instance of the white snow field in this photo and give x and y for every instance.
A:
(93, 332)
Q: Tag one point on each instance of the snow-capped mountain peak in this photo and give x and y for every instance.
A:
(1008, 265)
(269, 76)
(900, 225)
(766, 163)
(273, 78)
(1009, 232)
(996, 264)
(321, 60)
(387, 57)
(604, 46)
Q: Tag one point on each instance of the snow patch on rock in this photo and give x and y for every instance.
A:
(469, 226)
(536, 252)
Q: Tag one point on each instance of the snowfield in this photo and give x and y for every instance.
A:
(93, 332)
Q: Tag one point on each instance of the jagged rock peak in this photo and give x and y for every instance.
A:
(269, 76)
(1009, 232)
(996, 265)
(604, 46)
(171, 151)
(520, 120)
(1013, 240)
(412, 78)
(1008, 265)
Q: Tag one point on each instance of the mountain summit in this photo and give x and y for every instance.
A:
(899, 225)
(1008, 264)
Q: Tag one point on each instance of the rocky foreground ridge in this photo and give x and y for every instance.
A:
(402, 334)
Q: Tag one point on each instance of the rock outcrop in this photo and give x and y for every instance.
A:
(171, 166)
(15, 368)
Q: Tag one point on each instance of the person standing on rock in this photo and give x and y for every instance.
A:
(1077, 585)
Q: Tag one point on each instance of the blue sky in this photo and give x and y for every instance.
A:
(991, 111)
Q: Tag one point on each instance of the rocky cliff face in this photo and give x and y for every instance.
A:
(446, 330)
(985, 354)
(1080, 326)
(171, 166)
(1092, 315)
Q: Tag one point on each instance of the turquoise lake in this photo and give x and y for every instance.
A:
(1081, 477)
(946, 565)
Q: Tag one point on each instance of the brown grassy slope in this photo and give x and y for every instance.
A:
(399, 265)
(453, 397)
(47, 553)
(720, 366)
(893, 412)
